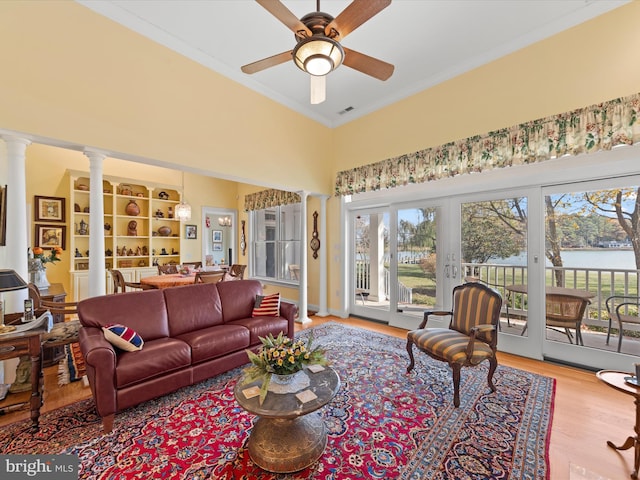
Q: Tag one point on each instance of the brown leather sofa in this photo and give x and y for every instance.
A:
(190, 333)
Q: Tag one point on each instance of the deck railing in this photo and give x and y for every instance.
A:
(599, 281)
(363, 282)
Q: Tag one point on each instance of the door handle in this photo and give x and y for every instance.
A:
(446, 271)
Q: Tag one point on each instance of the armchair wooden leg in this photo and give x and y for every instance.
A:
(493, 364)
(456, 384)
(410, 351)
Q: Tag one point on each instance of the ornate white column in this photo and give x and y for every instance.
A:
(322, 236)
(302, 287)
(17, 238)
(97, 272)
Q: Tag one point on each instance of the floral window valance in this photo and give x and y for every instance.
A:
(586, 130)
(269, 198)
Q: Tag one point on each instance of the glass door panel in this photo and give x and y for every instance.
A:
(494, 252)
(417, 269)
(371, 261)
(592, 263)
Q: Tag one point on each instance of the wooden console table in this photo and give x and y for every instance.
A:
(615, 379)
(15, 346)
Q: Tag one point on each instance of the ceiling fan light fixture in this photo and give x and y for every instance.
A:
(318, 55)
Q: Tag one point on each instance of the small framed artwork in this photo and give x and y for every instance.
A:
(3, 215)
(49, 236)
(216, 235)
(191, 232)
(49, 209)
(217, 247)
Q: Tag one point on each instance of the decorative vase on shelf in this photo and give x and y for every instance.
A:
(164, 231)
(38, 274)
(132, 208)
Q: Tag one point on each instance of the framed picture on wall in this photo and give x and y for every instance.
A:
(216, 235)
(217, 247)
(191, 232)
(49, 236)
(49, 209)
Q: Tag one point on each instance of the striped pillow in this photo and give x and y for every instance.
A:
(123, 337)
(267, 306)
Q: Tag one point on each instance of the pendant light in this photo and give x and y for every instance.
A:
(183, 209)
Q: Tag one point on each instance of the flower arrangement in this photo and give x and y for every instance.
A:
(281, 356)
(54, 255)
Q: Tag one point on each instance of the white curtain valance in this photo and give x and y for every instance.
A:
(586, 130)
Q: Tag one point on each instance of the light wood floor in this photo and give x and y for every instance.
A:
(587, 413)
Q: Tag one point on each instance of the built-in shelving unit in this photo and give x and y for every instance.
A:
(139, 228)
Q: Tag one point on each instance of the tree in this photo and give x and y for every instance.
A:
(483, 233)
(624, 204)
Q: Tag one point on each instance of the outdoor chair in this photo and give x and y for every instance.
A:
(471, 338)
(120, 284)
(565, 312)
(618, 309)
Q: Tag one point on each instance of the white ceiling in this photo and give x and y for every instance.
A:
(428, 41)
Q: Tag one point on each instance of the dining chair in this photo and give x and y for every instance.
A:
(209, 277)
(624, 309)
(120, 284)
(472, 336)
(167, 269)
(192, 264)
(237, 270)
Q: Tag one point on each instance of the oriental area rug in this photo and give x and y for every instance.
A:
(383, 423)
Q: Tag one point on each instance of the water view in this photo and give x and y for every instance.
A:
(607, 258)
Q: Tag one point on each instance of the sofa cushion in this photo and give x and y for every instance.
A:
(192, 307)
(237, 298)
(124, 338)
(263, 326)
(157, 358)
(144, 311)
(213, 342)
(267, 306)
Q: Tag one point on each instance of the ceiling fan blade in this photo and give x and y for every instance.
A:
(358, 12)
(267, 62)
(282, 13)
(368, 65)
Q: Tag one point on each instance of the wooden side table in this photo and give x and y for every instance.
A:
(616, 379)
(15, 346)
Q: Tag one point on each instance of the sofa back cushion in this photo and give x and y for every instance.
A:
(238, 298)
(192, 307)
(144, 311)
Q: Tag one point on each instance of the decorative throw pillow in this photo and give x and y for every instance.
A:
(267, 306)
(123, 337)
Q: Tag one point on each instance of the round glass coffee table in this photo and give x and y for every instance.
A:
(289, 434)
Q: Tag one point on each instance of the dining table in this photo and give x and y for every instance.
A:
(169, 280)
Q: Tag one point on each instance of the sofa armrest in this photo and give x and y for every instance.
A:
(289, 310)
(100, 360)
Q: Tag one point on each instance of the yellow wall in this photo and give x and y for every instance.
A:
(46, 169)
(73, 75)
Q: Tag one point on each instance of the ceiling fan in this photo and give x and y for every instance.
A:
(318, 50)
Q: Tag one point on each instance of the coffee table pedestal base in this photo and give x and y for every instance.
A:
(287, 445)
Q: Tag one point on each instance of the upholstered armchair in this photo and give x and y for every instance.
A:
(471, 338)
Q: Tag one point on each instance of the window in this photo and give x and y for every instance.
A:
(276, 242)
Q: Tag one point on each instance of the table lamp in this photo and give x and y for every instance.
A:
(9, 281)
